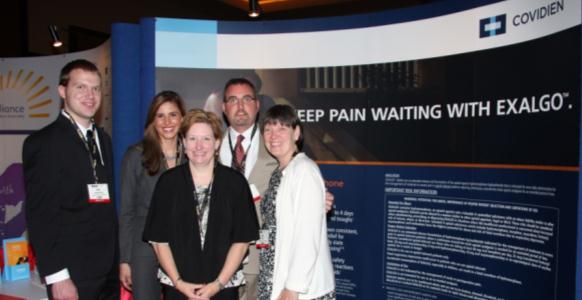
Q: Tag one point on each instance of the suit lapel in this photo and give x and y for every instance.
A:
(104, 146)
(73, 148)
(265, 162)
(70, 131)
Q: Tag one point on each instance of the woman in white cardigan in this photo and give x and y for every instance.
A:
(295, 260)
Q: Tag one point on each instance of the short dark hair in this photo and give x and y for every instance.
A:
(82, 64)
(238, 81)
(286, 116)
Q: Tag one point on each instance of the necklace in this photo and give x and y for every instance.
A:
(177, 157)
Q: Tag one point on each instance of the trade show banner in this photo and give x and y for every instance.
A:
(29, 100)
(448, 133)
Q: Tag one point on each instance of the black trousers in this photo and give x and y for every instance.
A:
(100, 288)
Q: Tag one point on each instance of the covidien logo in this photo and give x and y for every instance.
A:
(492, 26)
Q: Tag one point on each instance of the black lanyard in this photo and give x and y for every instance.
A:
(92, 159)
(233, 163)
(205, 200)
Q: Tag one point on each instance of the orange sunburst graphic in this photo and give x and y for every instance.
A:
(29, 87)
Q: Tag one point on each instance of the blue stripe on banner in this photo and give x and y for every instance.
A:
(186, 43)
(148, 67)
(183, 25)
(184, 49)
(125, 76)
(432, 10)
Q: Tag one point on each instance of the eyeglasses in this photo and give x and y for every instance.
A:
(233, 100)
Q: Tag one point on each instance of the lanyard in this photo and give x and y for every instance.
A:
(233, 154)
(201, 207)
(92, 160)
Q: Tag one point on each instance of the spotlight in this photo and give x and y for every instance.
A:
(254, 9)
(55, 36)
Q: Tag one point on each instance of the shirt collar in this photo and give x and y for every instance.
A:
(247, 133)
(81, 127)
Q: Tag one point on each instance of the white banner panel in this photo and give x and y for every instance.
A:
(490, 26)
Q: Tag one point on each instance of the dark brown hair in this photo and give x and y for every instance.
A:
(286, 116)
(238, 81)
(81, 64)
(152, 151)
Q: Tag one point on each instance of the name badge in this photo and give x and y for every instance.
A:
(98, 193)
(255, 193)
(263, 241)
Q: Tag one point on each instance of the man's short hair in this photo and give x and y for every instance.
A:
(238, 81)
(82, 64)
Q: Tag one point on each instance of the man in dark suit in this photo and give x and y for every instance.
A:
(70, 213)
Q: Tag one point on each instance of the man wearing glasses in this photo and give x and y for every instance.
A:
(242, 148)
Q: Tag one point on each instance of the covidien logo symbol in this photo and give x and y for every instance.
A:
(492, 26)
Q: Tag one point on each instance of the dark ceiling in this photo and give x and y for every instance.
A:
(83, 25)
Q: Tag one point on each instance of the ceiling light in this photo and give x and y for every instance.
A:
(254, 9)
(55, 36)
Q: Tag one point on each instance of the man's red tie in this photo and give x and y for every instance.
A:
(239, 152)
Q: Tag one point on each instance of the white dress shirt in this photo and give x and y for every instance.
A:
(252, 154)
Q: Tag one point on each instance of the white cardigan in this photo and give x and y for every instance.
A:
(302, 255)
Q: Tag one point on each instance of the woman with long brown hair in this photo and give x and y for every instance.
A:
(160, 150)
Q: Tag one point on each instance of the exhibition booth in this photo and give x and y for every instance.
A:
(449, 133)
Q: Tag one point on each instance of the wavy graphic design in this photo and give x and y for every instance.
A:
(12, 223)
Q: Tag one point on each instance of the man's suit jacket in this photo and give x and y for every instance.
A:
(64, 229)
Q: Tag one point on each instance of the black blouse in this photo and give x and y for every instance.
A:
(172, 219)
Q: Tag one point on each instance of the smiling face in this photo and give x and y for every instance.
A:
(201, 145)
(241, 114)
(167, 121)
(280, 141)
(82, 95)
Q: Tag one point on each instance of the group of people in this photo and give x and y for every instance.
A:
(213, 215)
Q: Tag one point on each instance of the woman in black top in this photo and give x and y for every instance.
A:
(202, 217)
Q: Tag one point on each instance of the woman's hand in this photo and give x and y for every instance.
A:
(125, 275)
(288, 295)
(190, 290)
(209, 290)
